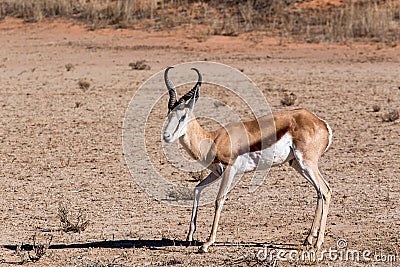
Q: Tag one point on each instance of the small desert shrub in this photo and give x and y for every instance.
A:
(84, 84)
(139, 65)
(364, 19)
(69, 67)
(376, 108)
(201, 175)
(39, 249)
(67, 224)
(391, 115)
(375, 19)
(32, 11)
(289, 99)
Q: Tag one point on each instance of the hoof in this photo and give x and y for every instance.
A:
(309, 240)
(307, 243)
(318, 245)
(189, 238)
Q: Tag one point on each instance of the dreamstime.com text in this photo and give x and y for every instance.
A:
(339, 254)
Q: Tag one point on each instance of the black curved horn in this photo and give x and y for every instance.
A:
(171, 89)
(195, 89)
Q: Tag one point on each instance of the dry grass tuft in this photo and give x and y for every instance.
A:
(39, 249)
(199, 176)
(376, 108)
(289, 99)
(84, 84)
(69, 67)
(391, 116)
(139, 65)
(81, 223)
(376, 20)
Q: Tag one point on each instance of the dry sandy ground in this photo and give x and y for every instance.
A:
(60, 144)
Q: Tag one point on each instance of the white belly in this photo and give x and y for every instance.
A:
(276, 154)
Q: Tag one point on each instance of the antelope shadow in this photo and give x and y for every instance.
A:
(151, 244)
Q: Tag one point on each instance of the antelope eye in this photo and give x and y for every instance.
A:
(182, 118)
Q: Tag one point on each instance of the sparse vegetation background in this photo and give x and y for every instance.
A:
(376, 20)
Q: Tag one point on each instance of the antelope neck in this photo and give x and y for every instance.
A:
(193, 138)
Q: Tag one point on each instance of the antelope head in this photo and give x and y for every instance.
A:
(179, 111)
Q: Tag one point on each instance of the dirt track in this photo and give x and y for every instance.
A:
(61, 144)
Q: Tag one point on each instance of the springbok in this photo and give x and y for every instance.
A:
(299, 137)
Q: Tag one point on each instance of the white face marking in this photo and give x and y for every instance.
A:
(280, 152)
(176, 125)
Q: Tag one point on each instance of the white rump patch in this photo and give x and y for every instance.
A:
(330, 134)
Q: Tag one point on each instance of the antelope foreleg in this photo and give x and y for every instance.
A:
(197, 191)
(223, 191)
